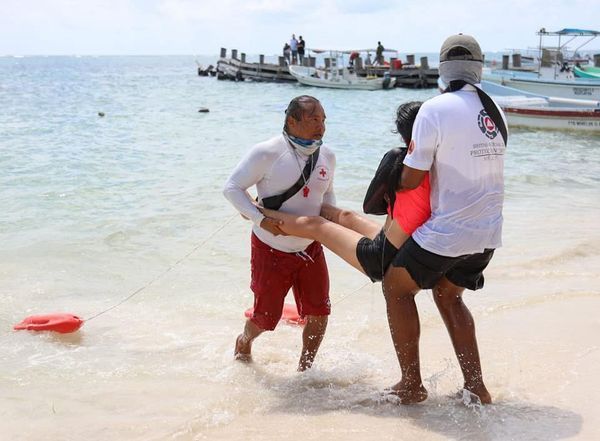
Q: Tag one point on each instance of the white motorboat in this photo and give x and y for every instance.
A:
(339, 79)
(575, 88)
(527, 109)
(554, 75)
(338, 76)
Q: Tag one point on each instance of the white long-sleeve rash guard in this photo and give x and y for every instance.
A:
(273, 166)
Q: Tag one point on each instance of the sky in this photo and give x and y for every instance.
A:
(201, 27)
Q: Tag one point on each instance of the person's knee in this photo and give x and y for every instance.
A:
(398, 285)
(317, 319)
(444, 300)
(346, 215)
(260, 323)
(310, 223)
(446, 294)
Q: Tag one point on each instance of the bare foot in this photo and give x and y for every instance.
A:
(242, 350)
(408, 393)
(481, 392)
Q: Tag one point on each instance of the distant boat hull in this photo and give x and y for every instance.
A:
(537, 111)
(587, 89)
(310, 76)
(587, 72)
(555, 119)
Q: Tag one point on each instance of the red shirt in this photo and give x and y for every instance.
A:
(412, 207)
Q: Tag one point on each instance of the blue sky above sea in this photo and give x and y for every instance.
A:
(162, 27)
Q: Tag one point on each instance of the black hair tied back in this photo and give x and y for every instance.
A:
(405, 119)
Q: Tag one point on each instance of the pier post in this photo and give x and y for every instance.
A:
(243, 57)
(516, 60)
(358, 64)
(281, 61)
(410, 59)
(223, 52)
(261, 59)
(424, 63)
(327, 62)
(548, 58)
(505, 59)
(234, 54)
(392, 63)
(597, 60)
(312, 61)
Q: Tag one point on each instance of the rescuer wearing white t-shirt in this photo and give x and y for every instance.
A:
(296, 161)
(456, 140)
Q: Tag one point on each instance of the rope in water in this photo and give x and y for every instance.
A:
(351, 293)
(137, 291)
(193, 250)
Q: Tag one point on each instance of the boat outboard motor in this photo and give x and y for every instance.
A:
(386, 80)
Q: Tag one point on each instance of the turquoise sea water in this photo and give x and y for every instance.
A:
(93, 208)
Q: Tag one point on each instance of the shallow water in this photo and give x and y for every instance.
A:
(94, 208)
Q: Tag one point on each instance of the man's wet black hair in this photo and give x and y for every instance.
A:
(298, 107)
(405, 118)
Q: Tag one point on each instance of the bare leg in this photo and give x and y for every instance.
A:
(399, 290)
(461, 327)
(351, 220)
(312, 336)
(337, 238)
(363, 225)
(243, 343)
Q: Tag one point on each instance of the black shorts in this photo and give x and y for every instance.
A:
(375, 255)
(427, 268)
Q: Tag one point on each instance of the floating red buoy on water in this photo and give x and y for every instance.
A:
(290, 315)
(57, 322)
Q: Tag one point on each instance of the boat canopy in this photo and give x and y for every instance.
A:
(571, 32)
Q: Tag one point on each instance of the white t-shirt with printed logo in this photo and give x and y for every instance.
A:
(455, 139)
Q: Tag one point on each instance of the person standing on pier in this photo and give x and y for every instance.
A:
(379, 54)
(287, 51)
(292, 171)
(294, 47)
(301, 47)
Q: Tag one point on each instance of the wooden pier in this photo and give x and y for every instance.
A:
(238, 69)
(407, 73)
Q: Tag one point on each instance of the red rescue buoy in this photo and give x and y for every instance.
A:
(290, 315)
(57, 322)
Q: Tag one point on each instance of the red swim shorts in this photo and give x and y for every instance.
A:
(413, 207)
(275, 272)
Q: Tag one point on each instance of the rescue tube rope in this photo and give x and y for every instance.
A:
(351, 293)
(137, 291)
